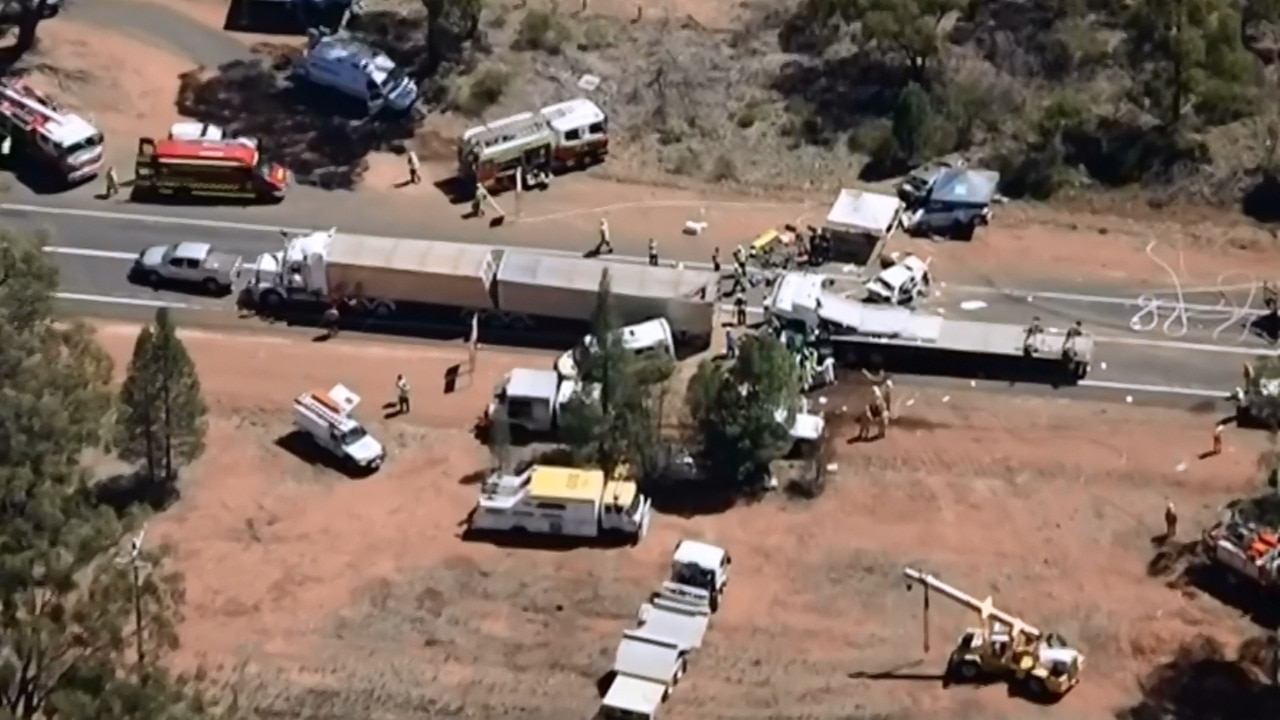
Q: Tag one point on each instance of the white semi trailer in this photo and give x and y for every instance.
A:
(393, 278)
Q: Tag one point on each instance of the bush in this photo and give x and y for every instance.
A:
(723, 169)
(541, 30)
(595, 36)
(485, 89)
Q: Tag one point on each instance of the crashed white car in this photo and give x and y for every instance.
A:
(187, 263)
(902, 283)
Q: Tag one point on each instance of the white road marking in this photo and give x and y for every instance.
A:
(1155, 389)
(1193, 347)
(116, 300)
(1032, 295)
(90, 252)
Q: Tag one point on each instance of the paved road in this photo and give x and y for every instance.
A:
(1203, 358)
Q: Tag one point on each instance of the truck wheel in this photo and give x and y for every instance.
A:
(966, 670)
(153, 279)
(382, 310)
(1036, 687)
(270, 299)
(212, 286)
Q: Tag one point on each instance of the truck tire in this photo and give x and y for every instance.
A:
(1036, 687)
(153, 279)
(965, 670)
(270, 299)
(212, 286)
(382, 310)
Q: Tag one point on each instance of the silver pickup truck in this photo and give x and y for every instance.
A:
(187, 263)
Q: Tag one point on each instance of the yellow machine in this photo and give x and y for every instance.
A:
(1041, 666)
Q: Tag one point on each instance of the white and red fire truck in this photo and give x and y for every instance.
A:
(557, 138)
(43, 132)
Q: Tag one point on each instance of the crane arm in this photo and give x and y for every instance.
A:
(985, 608)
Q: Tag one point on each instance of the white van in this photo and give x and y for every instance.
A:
(651, 338)
(326, 417)
(357, 70)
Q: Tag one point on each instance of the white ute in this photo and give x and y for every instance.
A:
(326, 417)
(194, 263)
(652, 338)
(549, 500)
(902, 283)
(531, 400)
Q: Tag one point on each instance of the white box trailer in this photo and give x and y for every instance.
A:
(646, 670)
(555, 286)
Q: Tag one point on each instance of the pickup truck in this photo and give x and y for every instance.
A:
(646, 669)
(194, 264)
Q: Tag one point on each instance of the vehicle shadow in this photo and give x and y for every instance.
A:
(138, 279)
(525, 540)
(301, 446)
(1222, 585)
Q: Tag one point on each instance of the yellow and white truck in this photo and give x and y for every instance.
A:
(550, 500)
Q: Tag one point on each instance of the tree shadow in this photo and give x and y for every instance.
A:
(300, 445)
(1261, 202)
(1182, 563)
(322, 137)
(692, 498)
(832, 96)
(125, 491)
(1202, 682)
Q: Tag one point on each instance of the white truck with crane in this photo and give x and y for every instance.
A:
(62, 145)
(653, 657)
(430, 281)
(905, 340)
(1040, 665)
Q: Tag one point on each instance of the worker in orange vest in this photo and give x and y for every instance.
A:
(1217, 439)
(1170, 521)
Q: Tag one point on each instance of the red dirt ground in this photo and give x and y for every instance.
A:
(355, 598)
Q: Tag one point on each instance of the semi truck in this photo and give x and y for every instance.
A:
(905, 340)
(434, 281)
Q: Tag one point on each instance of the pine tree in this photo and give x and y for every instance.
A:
(67, 616)
(163, 417)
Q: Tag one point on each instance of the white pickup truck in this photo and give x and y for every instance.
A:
(194, 264)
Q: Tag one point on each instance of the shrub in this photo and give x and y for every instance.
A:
(485, 89)
(541, 30)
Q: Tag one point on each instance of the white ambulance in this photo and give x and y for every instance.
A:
(326, 418)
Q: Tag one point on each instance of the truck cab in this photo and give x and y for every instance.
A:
(700, 567)
(530, 400)
(357, 70)
(548, 500)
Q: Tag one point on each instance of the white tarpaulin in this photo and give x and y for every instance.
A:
(861, 212)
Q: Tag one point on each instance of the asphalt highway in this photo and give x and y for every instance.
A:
(1190, 348)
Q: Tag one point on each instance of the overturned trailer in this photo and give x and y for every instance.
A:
(904, 340)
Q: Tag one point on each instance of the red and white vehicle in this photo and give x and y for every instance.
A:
(566, 136)
(44, 132)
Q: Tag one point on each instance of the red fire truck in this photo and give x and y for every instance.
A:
(558, 138)
(230, 168)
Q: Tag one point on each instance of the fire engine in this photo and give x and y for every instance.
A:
(230, 168)
(565, 136)
(47, 134)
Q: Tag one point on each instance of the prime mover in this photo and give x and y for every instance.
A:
(433, 282)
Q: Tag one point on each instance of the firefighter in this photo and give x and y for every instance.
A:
(603, 245)
(6, 146)
(715, 259)
(1170, 521)
(653, 252)
(730, 344)
(1217, 439)
(332, 320)
(886, 392)
(478, 200)
(1033, 331)
(415, 168)
(740, 309)
(113, 183)
(402, 395)
(864, 424)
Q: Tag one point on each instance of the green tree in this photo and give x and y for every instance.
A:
(1186, 52)
(613, 417)
(912, 122)
(914, 30)
(742, 411)
(66, 610)
(161, 420)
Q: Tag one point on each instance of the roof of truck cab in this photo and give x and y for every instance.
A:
(206, 151)
(692, 552)
(621, 492)
(572, 114)
(530, 383)
(561, 483)
(635, 695)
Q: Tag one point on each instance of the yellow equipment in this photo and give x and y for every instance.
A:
(1041, 666)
